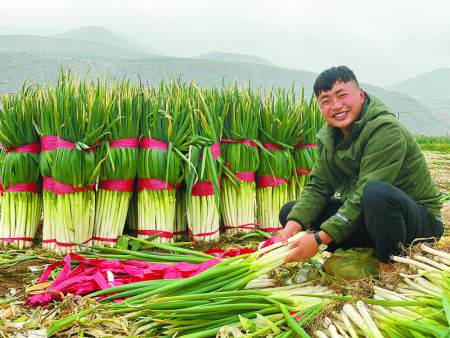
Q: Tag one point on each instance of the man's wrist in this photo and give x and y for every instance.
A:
(326, 239)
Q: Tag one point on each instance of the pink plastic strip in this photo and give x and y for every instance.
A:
(52, 142)
(150, 143)
(303, 171)
(163, 234)
(153, 184)
(132, 142)
(271, 229)
(246, 142)
(270, 181)
(270, 146)
(62, 244)
(34, 148)
(305, 146)
(203, 189)
(23, 187)
(117, 185)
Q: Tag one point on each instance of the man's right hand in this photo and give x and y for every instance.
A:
(291, 228)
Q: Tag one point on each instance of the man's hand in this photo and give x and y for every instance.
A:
(291, 228)
(305, 248)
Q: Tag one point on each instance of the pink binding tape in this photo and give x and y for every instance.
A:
(154, 184)
(132, 142)
(270, 146)
(270, 181)
(271, 229)
(117, 185)
(215, 150)
(246, 142)
(53, 142)
(23, 187)
(65, 245)
(203, 189)
(247, 176)
(306, 146)
(162, 234)
(150, 143)
(303, 171)
(34, 148)
(49, 183)
(12, 239)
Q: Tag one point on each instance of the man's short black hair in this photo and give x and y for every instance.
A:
(329, 77)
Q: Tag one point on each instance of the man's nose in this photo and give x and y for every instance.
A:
(336, 104)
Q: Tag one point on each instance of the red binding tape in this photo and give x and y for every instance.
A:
(306, 146)
(154, 184)
(203, 189)
(105, 239)
(303, 171)
(162, 234)
(62, 244)
(23, 187)
(117, 185)
(204, 234)
(246, 142)
(270, 146)
(243, 226)
(49, 183)
(270, 181)
(12, 239)
(132, 142)
(150, 143)
(271, 229)
(34, 148)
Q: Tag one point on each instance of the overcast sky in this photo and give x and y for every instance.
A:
(383, 41)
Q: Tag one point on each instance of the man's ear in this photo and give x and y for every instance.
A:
(362, 95)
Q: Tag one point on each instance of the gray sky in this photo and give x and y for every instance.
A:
(383, 41)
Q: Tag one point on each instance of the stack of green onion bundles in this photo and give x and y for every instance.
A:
(119, 169)
(21, 203)
(240, 153)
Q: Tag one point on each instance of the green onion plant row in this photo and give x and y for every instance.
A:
(89, 158)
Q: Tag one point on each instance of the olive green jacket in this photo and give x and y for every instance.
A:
(378, 148)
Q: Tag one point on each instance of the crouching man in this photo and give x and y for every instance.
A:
(386, 197)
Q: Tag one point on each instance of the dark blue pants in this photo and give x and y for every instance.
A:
(391, 220)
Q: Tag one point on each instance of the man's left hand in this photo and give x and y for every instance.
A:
(305, 248)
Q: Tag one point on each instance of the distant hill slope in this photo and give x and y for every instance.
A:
(39, 45)
(104, 36)
(15, 67)
(235, 57)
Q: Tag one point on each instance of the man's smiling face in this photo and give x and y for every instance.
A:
(341, 105)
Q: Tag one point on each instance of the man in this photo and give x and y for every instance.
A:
(387, 198)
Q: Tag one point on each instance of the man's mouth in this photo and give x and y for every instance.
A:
(340, 116)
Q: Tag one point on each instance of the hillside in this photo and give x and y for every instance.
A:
(104, 36)
(235, 57)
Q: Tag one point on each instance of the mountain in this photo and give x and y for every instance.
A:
(38, 59)
(104, 36)
(432, 90)
(235, 57)
(39, 45)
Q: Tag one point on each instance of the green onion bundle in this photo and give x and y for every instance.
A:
(165, 129)
(240, 154)
(280, 130)
(20, 179)
(116, 182)
(204, 168)
(76, 116)
(305, 153)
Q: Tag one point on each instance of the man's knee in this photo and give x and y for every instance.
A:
(376, 195)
